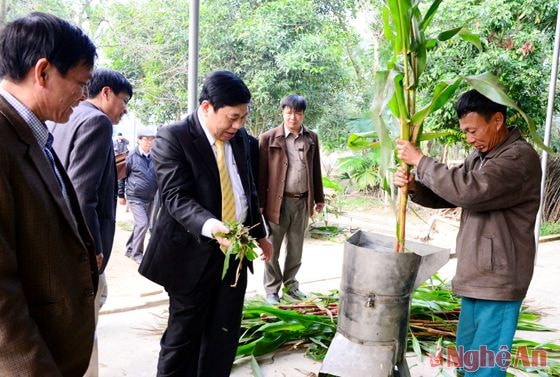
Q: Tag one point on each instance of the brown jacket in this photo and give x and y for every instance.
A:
(48, 273)
(273, 166)
(500, 195)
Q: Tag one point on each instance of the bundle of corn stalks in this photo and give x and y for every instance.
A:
(311, 325)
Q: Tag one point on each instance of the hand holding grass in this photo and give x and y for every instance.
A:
(236, 240)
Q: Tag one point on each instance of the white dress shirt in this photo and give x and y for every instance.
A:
(241, 206)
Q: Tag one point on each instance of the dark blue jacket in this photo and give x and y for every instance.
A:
(140, 181)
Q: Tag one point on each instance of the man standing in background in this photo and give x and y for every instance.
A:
(140, 186)
(84, 145)
(120, 145)
(290, 187)
(48, 271)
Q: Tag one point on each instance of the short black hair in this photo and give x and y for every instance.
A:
(294, 101)
(224, 88)
(41, 35)
(103, 77)
(475, 102)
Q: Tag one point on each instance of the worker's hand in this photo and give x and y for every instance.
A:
(122, 201)
(319, 207)
(401, 179)
(408, 153)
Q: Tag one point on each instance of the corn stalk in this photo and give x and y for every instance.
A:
(396, 89)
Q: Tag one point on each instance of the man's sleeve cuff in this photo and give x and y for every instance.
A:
(207, 227)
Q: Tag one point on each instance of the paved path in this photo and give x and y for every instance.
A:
(135, 310)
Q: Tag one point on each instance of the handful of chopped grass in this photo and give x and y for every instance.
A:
(242, 246)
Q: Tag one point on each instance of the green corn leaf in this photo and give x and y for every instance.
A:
(472, 38)
(399, 96)
(431, 43)
(282, 326)
(428, 17)
(269, 344)
(401, 20)
(360, 141)
(331, 184)
(448, 34)
(387, 30)
(435, 135)
(418, 46)
(442, 93)
(226, 262)
(246, 349)
(416, 347)
(488, 85)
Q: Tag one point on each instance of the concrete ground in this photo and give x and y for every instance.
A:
(131, 321)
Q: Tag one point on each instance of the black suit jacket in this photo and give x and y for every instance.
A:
(85, 147)
(189, 183)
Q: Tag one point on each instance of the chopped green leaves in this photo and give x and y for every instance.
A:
(242, 246)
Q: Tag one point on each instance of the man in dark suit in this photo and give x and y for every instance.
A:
(85, 147)
(48, 271)
(184, 252)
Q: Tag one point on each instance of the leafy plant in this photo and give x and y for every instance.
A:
(242, 245)
(362, 170)
(548, 228)
(321, 228)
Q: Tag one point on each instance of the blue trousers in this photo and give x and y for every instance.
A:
(485, 335)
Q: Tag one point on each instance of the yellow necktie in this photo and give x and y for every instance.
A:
(228, 202)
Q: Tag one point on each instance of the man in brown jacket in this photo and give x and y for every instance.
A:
(290, 188)
(48, 270)
(498, 188)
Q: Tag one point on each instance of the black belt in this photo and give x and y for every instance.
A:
(295, 196)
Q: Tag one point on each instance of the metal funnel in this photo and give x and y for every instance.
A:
(375, 295)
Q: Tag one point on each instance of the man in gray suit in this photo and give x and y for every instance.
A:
(85, 147)
(48, 274)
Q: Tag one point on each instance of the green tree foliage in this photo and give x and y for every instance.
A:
(288, 46)
(278, 47)
(148, 42)
(517, 40)
(362, 170)
(84, 13)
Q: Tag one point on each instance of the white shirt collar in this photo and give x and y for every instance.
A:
(209, 136)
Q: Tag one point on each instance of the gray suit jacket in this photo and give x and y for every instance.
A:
(85, 147)
(48, 273)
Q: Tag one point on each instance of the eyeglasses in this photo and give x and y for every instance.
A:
(289, 113)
